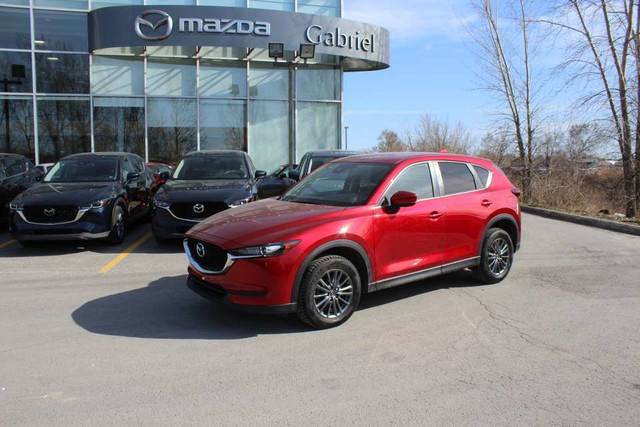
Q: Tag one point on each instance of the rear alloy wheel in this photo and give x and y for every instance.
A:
(496, 257)
(117, 228)
(329, 292)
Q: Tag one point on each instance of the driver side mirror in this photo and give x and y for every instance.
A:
(260, 174)
(132, 175)
(295, 175)
(164, 175)
(403, 199)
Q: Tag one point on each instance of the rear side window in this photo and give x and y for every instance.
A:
(416, 179)
(457, 178)
(483, 174)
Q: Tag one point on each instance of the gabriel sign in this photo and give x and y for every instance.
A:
(316, 35)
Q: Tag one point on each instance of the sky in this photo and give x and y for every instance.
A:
(431, 71)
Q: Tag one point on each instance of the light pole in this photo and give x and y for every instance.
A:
(346, 137)
(307, 51)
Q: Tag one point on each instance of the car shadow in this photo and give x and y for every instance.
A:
(134, 232)
(167, 309)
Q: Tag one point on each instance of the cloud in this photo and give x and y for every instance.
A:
(414, 19)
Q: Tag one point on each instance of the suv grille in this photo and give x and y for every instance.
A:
(197, 211)
(50, 214)
(214, 258)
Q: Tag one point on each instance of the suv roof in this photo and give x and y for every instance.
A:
(10, 155)
(331, 152)
(100, 154)
(400, 157)
(215, 153)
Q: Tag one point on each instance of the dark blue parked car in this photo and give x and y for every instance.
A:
(84, 196)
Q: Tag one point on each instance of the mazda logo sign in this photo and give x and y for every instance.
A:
(200, 250)
(49, 211)
(198, 208)
(165, 19)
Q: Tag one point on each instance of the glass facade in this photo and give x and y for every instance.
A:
(57, 98)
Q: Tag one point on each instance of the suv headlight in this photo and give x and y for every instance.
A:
(240, 202)
(264, 251)
(97, 205)
(161, 204)
(15, 206)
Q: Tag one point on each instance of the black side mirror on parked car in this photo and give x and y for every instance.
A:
(132, 175)
(403, 199)
(295, 175)
(260, 174)
(164, 176)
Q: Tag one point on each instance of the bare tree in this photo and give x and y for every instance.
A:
(495, 146)
(582, 142)
(607, 35)
(505, 51)
(432, 134)
(389, 141)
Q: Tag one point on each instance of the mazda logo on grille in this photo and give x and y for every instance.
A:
(200, 250)
(198, 208)
(165, 19)
(49, 211)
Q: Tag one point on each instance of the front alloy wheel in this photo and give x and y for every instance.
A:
(333, 294)
(329, 292)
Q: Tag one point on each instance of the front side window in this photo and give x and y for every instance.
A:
(339, 184)
(14, 167)
(84, 170)
(127, 167)
(209, 167)
(457, 178)
(416, 179)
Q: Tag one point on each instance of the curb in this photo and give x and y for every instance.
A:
(584, 220)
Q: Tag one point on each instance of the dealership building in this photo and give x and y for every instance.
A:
(164, 78)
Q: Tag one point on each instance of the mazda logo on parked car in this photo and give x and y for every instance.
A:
(198, 208)
(200, 250)
(165, 19)
(49, 211)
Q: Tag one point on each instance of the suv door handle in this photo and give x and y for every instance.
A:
(486, 203)
(435, 215)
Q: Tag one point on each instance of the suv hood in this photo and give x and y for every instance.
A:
(266, 221)
(68, 193)
(203, 191)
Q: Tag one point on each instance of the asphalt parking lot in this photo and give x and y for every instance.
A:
(90, 335)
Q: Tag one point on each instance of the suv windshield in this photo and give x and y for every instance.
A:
(339, 184)
(84, 170)
(210, 167)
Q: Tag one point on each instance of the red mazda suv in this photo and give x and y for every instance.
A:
(358, 225)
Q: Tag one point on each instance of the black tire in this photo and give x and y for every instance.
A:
(161, 240)
(116, 236)
(496, 258)
(26, 243)
(338, 305)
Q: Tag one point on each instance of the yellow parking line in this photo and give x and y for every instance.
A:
(7, 243)
(124, 254)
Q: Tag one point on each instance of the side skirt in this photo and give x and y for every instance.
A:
(423, 274)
